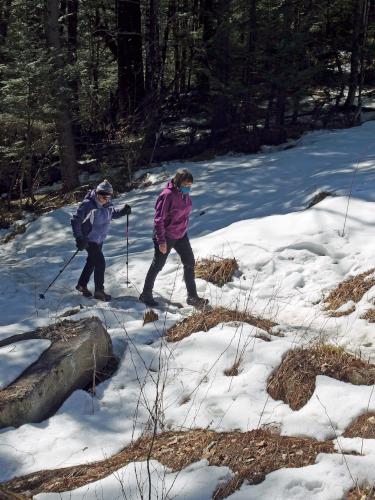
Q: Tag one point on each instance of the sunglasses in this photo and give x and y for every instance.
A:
(105, 196)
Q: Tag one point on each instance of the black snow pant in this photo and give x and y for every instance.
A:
(184, 250)
(95, 263)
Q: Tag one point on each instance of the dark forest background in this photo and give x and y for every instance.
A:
(87, 85)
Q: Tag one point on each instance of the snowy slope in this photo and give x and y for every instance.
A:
(250, 207)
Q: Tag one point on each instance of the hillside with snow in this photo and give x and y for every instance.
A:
(253, 208)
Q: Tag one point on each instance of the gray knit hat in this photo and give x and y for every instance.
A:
(104, 188)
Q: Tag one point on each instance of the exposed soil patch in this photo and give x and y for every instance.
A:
(251, 455)
(319, 197)
(207, 319)
(216, 270)
(351, 289)
(363, 426)
(294, 381)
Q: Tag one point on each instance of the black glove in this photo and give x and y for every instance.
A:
(81, 244)
(126, 210)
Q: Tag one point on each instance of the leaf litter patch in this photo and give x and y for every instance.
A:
(363, 427)
(294, 381)
(250, 455)
(206, 319)
(350, 290)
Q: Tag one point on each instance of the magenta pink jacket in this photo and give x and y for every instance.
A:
(172, 212)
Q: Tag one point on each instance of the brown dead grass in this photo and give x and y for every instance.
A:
(150, 316)
(351, 289)
(251, 455)
(216, 270)
(339, 314)
(234, 370)
(363, 426)
(8, 495)
(207, 319)
(361, 494)
(369, 315)
(294, 381)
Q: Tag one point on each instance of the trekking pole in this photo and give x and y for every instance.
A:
(127, 250)
(41, 295)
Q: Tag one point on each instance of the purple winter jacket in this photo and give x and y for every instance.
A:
(172, 212)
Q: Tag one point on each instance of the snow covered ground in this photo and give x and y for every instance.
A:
(253, 208)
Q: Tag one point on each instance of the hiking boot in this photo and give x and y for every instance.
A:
(148, 300)
(84, 290)
(101, 295)
(198, 302)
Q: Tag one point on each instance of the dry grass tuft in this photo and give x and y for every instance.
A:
(233, 371)
(150, 316)
(205, 320)
(339, 314)
(294, 381)
(369, 315)
(363, 426)
(351, 289)
(251, 455)
(216, 270)
(361, 494)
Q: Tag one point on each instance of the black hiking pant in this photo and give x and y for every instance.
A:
(184, 250)
(95, 263)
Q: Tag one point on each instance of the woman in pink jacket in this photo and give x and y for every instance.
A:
(172, 211)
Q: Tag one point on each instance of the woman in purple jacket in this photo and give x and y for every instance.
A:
(172, 211)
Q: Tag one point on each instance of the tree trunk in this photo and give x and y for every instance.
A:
(153, 75)
(252, 41)
(72, 7)
(206, 15)
(153, 58)
(269, 111)
(129, 56)
(63, 118)
(93, 64)
(362, 59)
(170, 15)
(280, 107)
(4, 20)
(360, 17)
